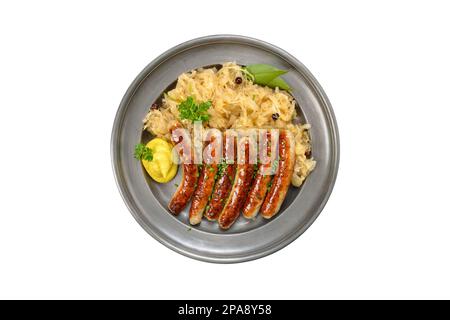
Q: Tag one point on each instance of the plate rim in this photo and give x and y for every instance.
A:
(228, 38)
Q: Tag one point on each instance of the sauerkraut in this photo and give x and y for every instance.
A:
(239, 106)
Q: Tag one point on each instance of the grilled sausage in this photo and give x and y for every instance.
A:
(223, 184)
(242, 181)
(188, 181)
(259, 186)
(282, 178)
(203, 192)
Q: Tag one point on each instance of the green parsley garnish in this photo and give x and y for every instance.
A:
(221, 167)
(190, 110)
(141, 152)
(269, 185)
(255, 170)
(275, 164)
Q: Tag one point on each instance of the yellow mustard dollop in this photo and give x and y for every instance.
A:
(162, 169)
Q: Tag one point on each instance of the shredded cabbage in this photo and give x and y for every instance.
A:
(245, 105)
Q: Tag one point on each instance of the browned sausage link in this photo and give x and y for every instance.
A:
(256, 195)
(221, 192)
(187, 186)
(223, 185)
(185, 190)
(224, 182)
(203, 192)
(259, 188)
(282, 178)
(238, 194)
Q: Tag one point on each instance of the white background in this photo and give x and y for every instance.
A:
(64, 229)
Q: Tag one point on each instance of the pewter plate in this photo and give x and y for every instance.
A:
(247, 239)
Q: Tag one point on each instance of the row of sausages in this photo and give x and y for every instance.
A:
(237, 189)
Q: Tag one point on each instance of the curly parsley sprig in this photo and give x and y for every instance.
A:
(190, 110)
(141, 152)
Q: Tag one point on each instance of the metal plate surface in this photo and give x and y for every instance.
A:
(247, 239)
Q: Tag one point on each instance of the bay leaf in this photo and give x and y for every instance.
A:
(263, 73)
(280, 83)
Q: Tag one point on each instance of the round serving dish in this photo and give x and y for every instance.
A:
(247, 239)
